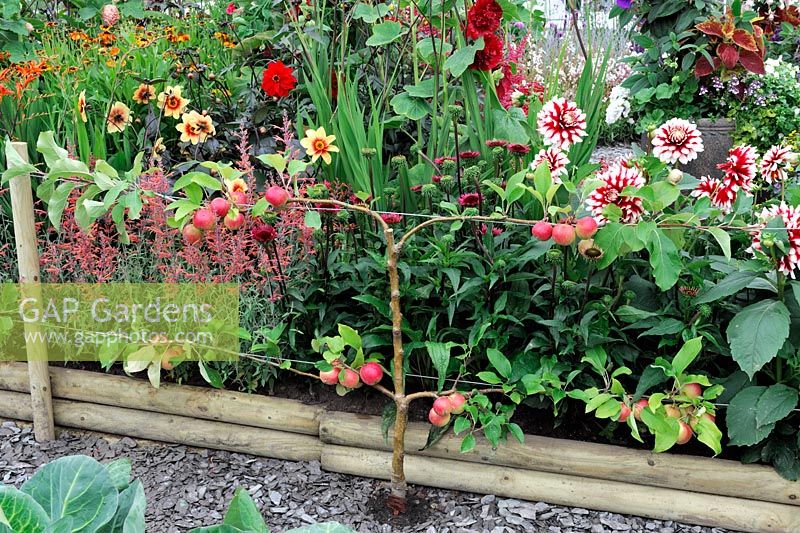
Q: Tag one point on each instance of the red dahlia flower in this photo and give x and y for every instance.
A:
(492, 54)
(517, 148)
(392, 218)
(677, 140)
(561, 123)
(556, 161)
(483, 18)
(278, 80)
(740, 168)
(776, 163)
(264, 233)
(470, 199)
(789, 260)
(721, 196)
(614, 180)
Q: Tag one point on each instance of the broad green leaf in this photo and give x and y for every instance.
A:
(462, 58)
(312, 220)
(775, 404)
(46, 145)
(20, 512)
(78, 488)
(276, 161)
(724, 240)
(439, 352)
(370, 14)
(664, 259)
(58, 201)
(729, 285)
(129, 517)
(687, 354)
(385, 33)
(243, 514)
(350, 336)
(468, 444)
(15, 165)
(665, 429)
(120, 473)
(410, 107)
(743, 428)
(500, 362)
(756, 334)
(709, 434)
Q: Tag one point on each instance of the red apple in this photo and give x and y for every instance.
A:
(564, 234)
(234, 220)
(220, 206)
(331, 377)
(638, 407)
(586, 227)
(692, 390)
(457, 401)
(442, 406)
(542, 230)
(277, 196)
(170, 353)
(349, 378)
(684, 433)
(708, 416)
(239, 198)
(191, 234)
(371, 373)
(204, 219)
(437, 419)
(624, 412)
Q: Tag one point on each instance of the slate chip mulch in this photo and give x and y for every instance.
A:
(189, 487)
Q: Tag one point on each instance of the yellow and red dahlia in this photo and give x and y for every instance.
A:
(171, 101)
(144, 93)
(119, 116)
(319, 144)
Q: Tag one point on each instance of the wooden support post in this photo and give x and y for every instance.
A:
(30, 278)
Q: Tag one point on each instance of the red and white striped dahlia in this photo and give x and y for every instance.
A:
(776, 163)
(561, 123)
(615, 179)
(789, 261)
(677, 140)
(721, 196)
(556, 160)
(740, 168)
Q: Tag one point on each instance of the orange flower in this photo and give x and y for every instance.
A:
(118, 118)
(171, 101)
(236, 185)
(144, 93)
(319, 144)
(82, 105)
(195, 127)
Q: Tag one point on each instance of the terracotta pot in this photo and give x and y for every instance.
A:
(717, 140)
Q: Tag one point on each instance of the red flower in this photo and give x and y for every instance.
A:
(231, 9)
(615, 179)
(278, 80)
(740, 168)
(483, 18)
(264, 233)
(392, 218)
(470, 199)
(721, 196)
(520, 149)
(494, 143)
(492, 54)
(469, 154)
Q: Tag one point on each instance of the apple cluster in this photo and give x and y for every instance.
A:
(369, 373)
(687, 419)
(444, 406)
(564, 232)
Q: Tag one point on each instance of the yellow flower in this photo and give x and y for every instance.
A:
(82, 105)
(118, 118)
(319, 144)
(144, 93)
(171, 101)
(195, 127)
(236, 185)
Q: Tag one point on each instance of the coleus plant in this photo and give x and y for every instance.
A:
(733, 46)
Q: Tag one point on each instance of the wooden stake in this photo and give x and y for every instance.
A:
(29, 277)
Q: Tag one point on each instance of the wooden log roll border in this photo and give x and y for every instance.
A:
(698, 490)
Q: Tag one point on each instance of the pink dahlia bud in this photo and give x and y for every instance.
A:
(109, 14)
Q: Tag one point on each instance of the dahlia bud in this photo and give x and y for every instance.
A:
(553, 256)
(429, 190)
(675, 176)
(470, 212)
(447, 181)
(399, 161)
(318, 191)
(472, 173)
(568, 285)
(110, 14)
(498, 151)
(390, 192)
(368, 153)
(767, 241)
(448, 239)
(448, 166)
(530, 176)
(318, 234)
(629, 295)
(608, 300)
(704, 310)
(456, 111)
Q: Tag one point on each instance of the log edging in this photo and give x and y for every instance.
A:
(711, 492)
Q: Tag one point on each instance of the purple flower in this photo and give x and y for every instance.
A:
(624, 4)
